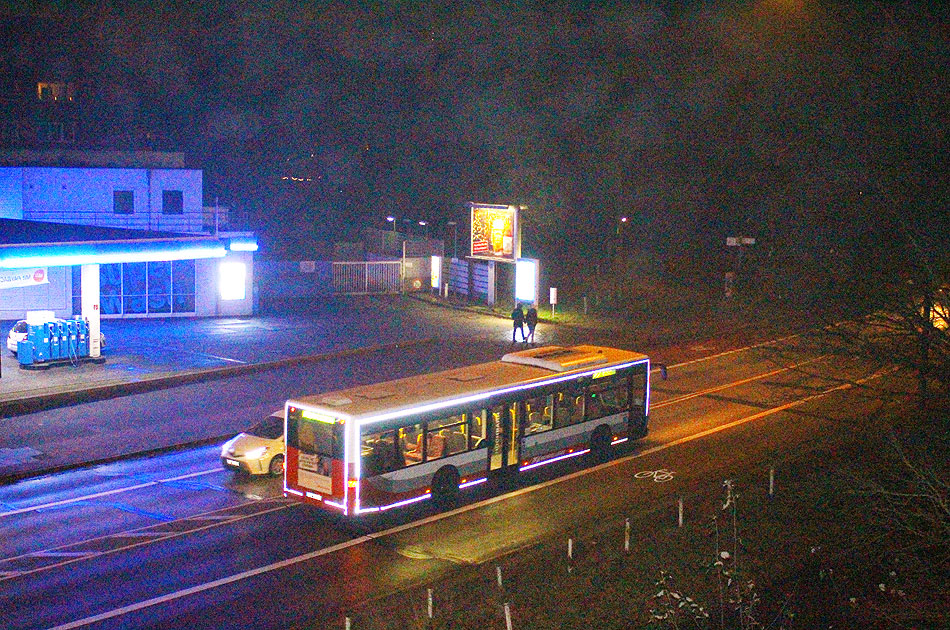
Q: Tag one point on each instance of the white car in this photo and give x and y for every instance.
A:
(18, 334)
(259, 450)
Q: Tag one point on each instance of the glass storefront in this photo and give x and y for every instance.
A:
(158, 288)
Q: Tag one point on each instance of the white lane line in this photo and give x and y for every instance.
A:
(734, 351)
(61, 554)
(136, 534)
(107, 493)
(117, 612)
(717, 388)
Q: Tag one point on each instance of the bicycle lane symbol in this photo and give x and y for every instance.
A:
(659, 476)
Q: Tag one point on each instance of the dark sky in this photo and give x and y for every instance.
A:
(779, 117)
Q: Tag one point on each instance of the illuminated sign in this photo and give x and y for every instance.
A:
(436, 272)
(232, 280)
(526, 280)
(603, 373)
(495, 232)
(319, 417)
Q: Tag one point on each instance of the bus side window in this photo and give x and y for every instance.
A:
(477, 430)
(538, 415)
(411, 443)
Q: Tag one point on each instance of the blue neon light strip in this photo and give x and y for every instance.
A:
(243, 244)
(68, 254)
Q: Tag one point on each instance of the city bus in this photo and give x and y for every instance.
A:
(372, 448)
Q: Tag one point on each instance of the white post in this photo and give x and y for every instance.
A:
(680, 521)
(429, 601)
(498, 576)
(570, 548)
(346, 623)
(626, 535)
(507, 616)
(771, 482)
(89, 286)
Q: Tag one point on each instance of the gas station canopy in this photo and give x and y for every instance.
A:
(26, 244)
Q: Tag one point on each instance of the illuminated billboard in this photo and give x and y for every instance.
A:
(495, 232)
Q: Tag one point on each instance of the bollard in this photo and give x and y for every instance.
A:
(585, 305)
(771, 482)
(570, 548)
(429, 601)
(680, 519)
(346, 623)
(498, 576)
(626, 535)
(507, 616)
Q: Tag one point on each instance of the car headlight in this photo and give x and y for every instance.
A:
(256, 453)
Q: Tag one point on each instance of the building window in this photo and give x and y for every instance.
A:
(122, 201)
(47, 91)
(172, 202)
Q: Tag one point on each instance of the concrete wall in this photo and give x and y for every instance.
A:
(84, 196)
(208, 300)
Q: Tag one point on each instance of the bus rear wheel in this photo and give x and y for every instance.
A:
(600, 444)
(445, 486)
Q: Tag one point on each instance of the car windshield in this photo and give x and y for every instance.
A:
(271, 428)
(20, 327)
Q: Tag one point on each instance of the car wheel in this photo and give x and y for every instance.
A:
(276, 467)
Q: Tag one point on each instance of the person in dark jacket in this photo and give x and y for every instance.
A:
(517, 322)
(531, 319)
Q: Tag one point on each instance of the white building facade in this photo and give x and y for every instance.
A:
(157, 202)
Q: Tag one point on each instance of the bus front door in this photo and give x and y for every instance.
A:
(505, 446)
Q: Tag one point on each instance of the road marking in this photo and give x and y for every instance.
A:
(659, 476)
(149, 536)
(199, 588)
(734, 383)
(106, 493)
(735, 350)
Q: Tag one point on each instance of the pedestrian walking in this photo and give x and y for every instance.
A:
(531, 319)
(517, 322)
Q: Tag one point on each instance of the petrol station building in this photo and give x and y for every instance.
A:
(117, 241)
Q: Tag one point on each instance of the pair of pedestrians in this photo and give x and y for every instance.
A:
(519, 318)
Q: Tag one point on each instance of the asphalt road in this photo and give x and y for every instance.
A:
(173, 541)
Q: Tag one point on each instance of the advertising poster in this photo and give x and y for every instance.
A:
(495, 233)
(10, 278)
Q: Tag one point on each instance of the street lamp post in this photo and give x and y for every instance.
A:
(454, 239)
(392, 220)
(425, 224)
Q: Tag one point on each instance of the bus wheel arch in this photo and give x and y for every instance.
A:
(445, 485)
(600, 441)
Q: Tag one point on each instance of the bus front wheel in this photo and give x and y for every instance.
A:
(445, 485)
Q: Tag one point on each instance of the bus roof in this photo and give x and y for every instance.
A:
(514, 369)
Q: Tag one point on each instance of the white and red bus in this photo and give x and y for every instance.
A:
(376, 447)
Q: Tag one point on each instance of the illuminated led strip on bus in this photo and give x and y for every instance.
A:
(461, 401)
(507, 390)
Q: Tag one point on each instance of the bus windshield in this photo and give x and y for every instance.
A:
(315, 435)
